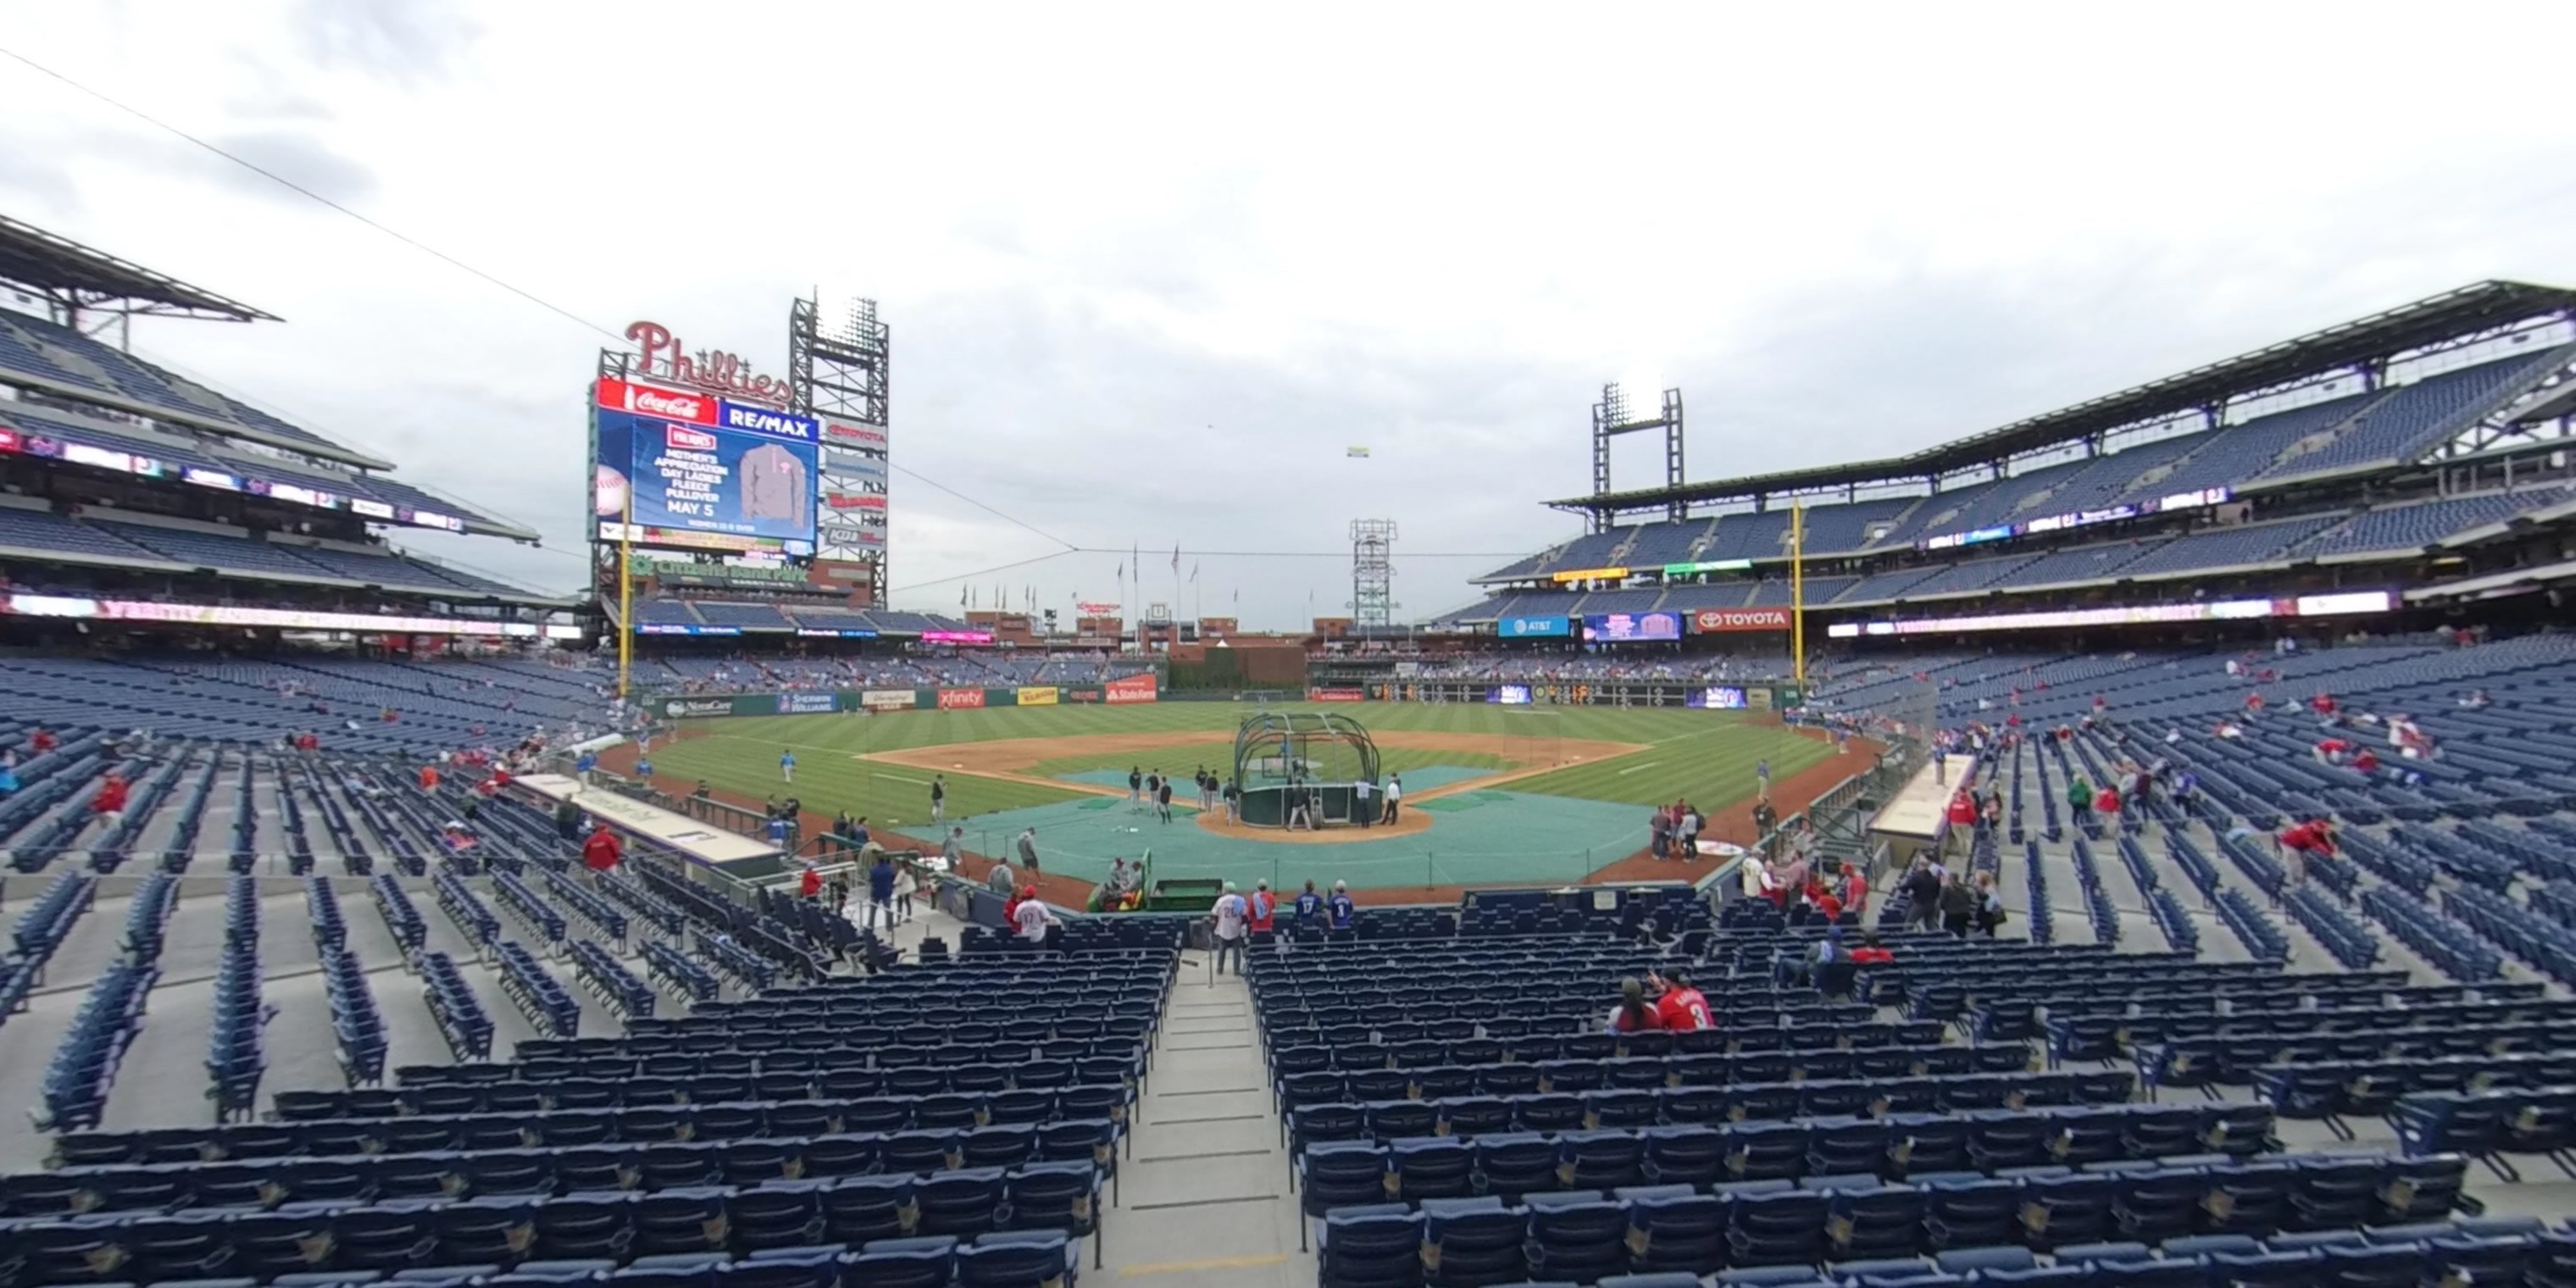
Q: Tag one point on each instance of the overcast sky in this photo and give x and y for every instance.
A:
(1151, 270)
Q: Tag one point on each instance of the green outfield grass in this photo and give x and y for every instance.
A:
(1184, 757)
(1706, 755)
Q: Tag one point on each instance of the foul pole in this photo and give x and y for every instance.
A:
(626, 595)
(1798, 597)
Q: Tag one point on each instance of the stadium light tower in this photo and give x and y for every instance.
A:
(837, 371)
(1610, 419)
(1372, 573)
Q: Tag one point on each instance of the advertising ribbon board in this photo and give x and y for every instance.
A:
(1712, 621)
(1336, 695)
(961, 699)
(1081, 693)
(1040, 696)
(1553, 624)
(886, 700)
(1133, 688)
(806, 704)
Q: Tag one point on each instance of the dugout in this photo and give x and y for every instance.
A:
(1278, 753)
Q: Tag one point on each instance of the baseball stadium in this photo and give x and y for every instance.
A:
(2130, 846)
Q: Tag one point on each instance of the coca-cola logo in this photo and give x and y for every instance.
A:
(664, 404)
(688, 439)
(675, 406)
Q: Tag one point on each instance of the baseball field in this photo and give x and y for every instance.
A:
(1492, 795)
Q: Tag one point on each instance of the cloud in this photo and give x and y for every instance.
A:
(303, 159)
(411, 42)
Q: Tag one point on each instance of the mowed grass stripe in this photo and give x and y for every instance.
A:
(1702, 754)
(1711, 771)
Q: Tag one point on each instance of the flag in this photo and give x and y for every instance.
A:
(961, 597)
(1194, 572)
(1176, 559)
(1358, 453)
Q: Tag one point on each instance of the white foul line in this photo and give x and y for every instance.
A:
(1634, 768)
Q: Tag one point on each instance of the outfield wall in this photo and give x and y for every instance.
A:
(1133, 689)
(1577, 693)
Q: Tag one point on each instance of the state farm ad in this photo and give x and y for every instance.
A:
(1134, 688)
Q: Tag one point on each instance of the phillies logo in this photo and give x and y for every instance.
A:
(688, 439)
(667, 356)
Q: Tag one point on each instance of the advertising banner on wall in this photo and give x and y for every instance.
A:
(688, 708)
(1510, 695)
(1716, 698)
(1553, 624)
(886, 700)
(1713, 621)
(806, 704)
(1037, 696)
(1336, 695)
(960, 699)
(1134, 688)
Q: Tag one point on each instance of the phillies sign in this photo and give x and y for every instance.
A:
(1095, 610)
(667, 357)
(1715, 620)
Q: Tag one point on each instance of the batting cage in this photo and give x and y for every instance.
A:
(1281, 758)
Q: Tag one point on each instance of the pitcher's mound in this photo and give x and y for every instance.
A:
(1409, 822)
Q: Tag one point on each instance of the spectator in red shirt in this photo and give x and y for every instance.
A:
(1963, 820)
(810, 884)
(1871, 952)
(2323, 704)
(2107, 802)
(600, 852)
(429, 778)
(109, 804)
(42, 740)
(1632, 1014)
(1680, 1007)
(1824, 899)
(2367, 761)
(2254, 703)
(1262, 909)
(2311, 837)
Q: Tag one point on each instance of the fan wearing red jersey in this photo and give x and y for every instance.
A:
(1680, 1007)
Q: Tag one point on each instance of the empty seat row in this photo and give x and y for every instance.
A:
(1857, 1222)
(1894, 1146)
(639, 1166)
(611, 1228)
(425, 1133)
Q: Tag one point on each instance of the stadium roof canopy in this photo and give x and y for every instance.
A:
(79, 279)
(2467, 311)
